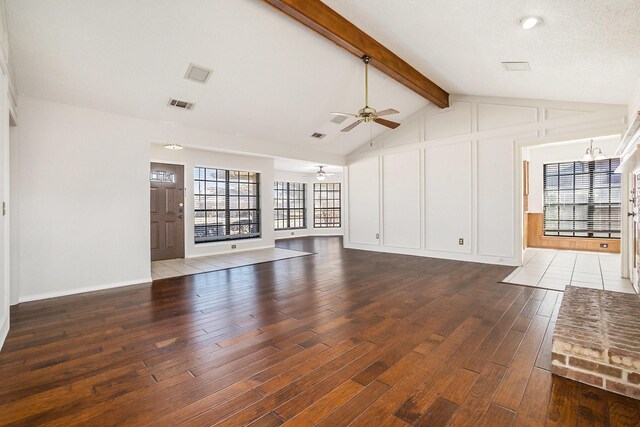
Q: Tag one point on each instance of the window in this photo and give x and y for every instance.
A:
(582, 199)
(326, 205)
(227, 204)
(289, 205)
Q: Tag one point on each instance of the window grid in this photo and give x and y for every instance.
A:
(289, 205)
(226, 204)
(582, 199)
(326, 205)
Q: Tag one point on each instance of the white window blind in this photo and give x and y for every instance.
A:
(582, 199)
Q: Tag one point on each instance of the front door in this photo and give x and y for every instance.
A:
(167, 211)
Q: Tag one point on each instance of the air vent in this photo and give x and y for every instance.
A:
(199, 74)
(338, 119)
(318, 135)
(183, 105)
(516, 66)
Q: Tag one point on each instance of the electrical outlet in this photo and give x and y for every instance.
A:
(604, 245)
(233, 246)
(461, 241)
(377, 235)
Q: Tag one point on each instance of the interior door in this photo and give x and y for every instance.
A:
(167, 211)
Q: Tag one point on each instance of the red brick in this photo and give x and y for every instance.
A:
(626, 389)
(597, 368)
(582, 377)
(634, 378)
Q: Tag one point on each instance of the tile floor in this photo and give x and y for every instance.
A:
(553, 269)
(183, 267)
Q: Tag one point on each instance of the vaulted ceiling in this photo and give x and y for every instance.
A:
(276, 80)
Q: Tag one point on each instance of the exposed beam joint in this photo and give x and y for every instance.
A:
(326, 21)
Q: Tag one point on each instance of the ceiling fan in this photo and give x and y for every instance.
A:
(368, 114)
(321, 175)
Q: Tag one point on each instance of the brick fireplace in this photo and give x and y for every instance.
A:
(597, 340)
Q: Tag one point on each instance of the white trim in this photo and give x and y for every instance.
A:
(310, 235)
(46, 295)
(456, 256)
(230, 250)
(4, 330)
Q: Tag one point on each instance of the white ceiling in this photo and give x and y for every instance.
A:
(276, 80)
(585, 50)
(300, 166)
(273, 79)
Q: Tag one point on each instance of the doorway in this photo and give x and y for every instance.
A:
(167, 211)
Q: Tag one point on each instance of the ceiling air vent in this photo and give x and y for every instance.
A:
(198, 74)
(318, 135)
(338, 119)
(516, 66)
(184, 105)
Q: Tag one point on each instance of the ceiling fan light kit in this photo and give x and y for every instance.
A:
(368, 114)
(321, 175)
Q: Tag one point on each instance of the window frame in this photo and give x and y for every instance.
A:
(588, 174)
(223, 177)
(289, 208)
(319, 191)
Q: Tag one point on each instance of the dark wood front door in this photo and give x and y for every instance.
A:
(167, 211)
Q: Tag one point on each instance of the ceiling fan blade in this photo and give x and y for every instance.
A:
(387, 123)
(387, 112)
(351, 126)
(344, 114)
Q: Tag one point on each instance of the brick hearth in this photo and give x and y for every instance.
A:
(597, 340)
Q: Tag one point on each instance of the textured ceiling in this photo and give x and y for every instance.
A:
(585, 50)
(276, 80)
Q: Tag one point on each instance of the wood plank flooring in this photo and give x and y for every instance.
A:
(342, 337)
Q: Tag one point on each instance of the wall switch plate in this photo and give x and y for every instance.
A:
(604, 245)
(461, 241)
(233, 246)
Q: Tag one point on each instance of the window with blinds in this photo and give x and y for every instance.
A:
(582, 199)
(226, 204)
(326, 205)
(290, 210)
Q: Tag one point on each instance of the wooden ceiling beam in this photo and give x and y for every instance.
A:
(326, 21)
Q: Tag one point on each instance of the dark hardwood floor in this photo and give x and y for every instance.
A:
(341, 337)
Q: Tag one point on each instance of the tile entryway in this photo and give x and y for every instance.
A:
(182, 267)
(555, 269)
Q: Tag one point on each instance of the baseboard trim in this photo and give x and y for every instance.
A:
(482, 259)
(4, 330)
(230, 251)
(47, 295)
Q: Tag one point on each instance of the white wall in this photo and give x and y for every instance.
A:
(561, 152)
(310, 230)
(5, 218)
(7, 106)
(81, 178)
(468, 179)
(634, 101)
(191, 158)
(83, 200)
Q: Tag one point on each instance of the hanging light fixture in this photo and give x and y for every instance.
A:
(593, 153)
(321, 175)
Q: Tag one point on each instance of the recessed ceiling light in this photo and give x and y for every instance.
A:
(516, 66)
(173, 146)
(197, 73)
(528, 22)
